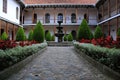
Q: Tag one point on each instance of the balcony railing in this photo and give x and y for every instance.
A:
(65, 22)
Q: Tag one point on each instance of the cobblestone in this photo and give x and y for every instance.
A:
(59, 63)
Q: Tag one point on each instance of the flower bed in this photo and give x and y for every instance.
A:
(9, 57)
(106, 56)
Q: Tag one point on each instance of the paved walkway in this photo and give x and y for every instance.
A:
(59, 63)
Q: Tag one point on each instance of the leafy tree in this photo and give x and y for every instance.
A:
(4, 36)
(65, 37)
(70, 37)
(84, 31)
(118, 32)
(48, 36)
(98, 32)
(53, 38)
(20, 36)
(39, 33)
(30, 36)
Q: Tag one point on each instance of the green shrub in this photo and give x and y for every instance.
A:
(53, 38)
(98, 33)
(4, 36)
(11, 56)
(70, 37)
(38, 33)
(118, 32)
(30, 36)
(84, 31)
(48, 36)
(106, 56)
(65, 37)
(20, 36)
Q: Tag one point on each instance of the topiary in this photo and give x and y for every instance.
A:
(65, 38)
(20, 36)
(53, 38)
(48, 36)
(30, 36)
(98, 33)
(70, 37)
(84, 31)
(91, 35)
(118, 32)
(4, 36)
(38, 33)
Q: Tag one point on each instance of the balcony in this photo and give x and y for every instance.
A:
(55, 22)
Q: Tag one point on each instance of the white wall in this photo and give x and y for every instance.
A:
(11, 11)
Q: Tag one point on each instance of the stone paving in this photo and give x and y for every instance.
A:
(59, 63)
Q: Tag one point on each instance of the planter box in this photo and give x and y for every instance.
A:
(104, 69)
(18, 66)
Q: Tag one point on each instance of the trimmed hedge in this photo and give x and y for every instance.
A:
(118, 32)
(4, 36)
(30, 37)
(106, 56)
(20, 36)
(39, 33)
(70, 37)
(53, 38)
(48, 36)
(14, 55)
(98, 32)
(65, 37)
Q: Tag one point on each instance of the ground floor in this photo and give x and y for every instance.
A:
(9, 28)
(59, 63)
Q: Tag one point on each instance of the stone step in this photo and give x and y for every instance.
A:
(60, 44)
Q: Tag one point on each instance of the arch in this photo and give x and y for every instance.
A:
(35, 18)
(60, 17)
(47, 18)
(73, 32)
(73, 18)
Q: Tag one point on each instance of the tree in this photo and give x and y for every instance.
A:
(70, 37)
(20, 36)
(98, 33)
(38, 33)
(53, 38)
(30, 36)
(65, 37)
(84, 31)
(48, 36)
(4, 36)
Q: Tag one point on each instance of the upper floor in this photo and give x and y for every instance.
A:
(10, 11)
(50, 16)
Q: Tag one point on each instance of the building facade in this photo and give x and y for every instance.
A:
(27, 13)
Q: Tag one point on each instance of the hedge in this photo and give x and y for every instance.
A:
(4, 36)
(14, 55)
(106, 56)
(98, 33)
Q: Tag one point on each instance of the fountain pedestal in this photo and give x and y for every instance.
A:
(60, 33)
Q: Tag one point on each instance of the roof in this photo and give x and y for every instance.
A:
(77, 2)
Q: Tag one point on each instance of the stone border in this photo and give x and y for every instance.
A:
(18, 66)
(104, 69)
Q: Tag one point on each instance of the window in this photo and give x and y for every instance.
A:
(17, 12)
(60, 17)
(35, 18)
(5, 6)
(47, 18)
(73, 18)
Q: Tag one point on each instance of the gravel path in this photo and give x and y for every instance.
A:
(59, 63)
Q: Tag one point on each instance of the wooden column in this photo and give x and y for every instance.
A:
(116, 6)
(76, 15)
(13, 32)
(54, 14)
(102, 11)
(22, 17)
(108, 8)
(0, 27)
(65, 14)
(33, 15)
(43, 15)
(6, 28)
(109, 28)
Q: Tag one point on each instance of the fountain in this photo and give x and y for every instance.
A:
(60, 33)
